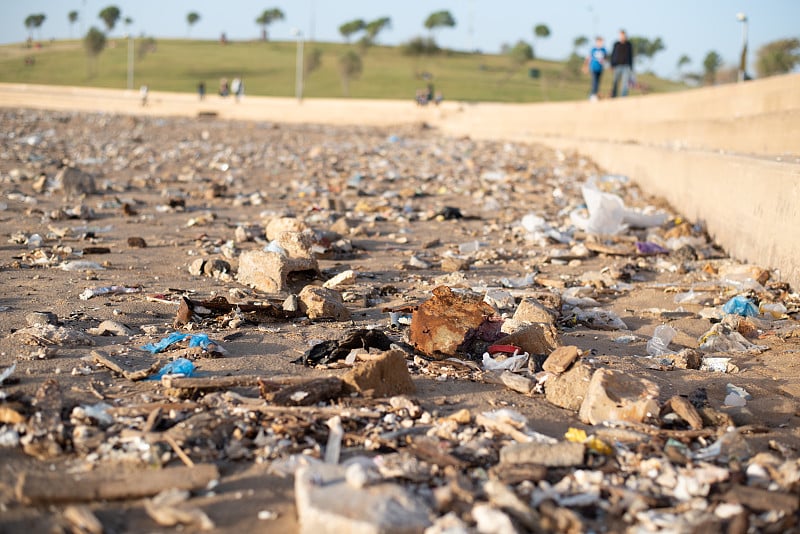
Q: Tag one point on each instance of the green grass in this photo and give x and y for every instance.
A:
(268, 69)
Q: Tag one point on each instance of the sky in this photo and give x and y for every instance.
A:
(691, 27)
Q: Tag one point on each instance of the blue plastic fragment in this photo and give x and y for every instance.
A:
(740, 306)
(195, 340)
(181, 366)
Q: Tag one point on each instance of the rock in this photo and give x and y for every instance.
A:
(343, 226)
(685, 359)
(291, 304)
(196, 267)
(74, 182)
(216, 267)
(327, 504)
(296, 244)
(683, 409)
(344, 278)
(451, 264)
(531, 310)
(41, 318)
(321, 303)
(568, 390)
(536, 338)
(269, 271)
(279, 225)
(561, 358)
(137, 242)
(110, 328)
(561, 454)
(617, 396)
(48, 334)
(440, 325)
(382, 375)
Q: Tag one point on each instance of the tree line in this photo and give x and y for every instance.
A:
(776, 57)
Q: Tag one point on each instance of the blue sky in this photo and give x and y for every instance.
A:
(691, 27)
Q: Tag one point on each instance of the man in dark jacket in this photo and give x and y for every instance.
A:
(622, 63)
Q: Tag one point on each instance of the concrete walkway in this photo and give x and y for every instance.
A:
(728, 155)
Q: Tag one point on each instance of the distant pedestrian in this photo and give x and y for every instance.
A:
(201, 90)
(143, 92)
(224, 90)
(237, 88)
(594, 64)
(622, 63)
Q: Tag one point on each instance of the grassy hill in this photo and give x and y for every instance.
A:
(268, 69)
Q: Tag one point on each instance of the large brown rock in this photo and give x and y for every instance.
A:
(381, 375)
(440, 325)
(561, 358)
(322, 303)
(618, 396)
(568, 390)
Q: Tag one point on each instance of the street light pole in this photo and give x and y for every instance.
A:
(741, 17)
(130, 61)
(298, 89)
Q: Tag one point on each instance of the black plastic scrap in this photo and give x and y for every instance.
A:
(333, 350)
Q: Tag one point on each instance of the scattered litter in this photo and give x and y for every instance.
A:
(659, 343)
(195, 340)
(740, 306)
(179, 367)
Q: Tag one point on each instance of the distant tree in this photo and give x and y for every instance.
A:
(349, 28)
(376, 26)
(520, 54)
(573, 66)
(128, 21)
(439, 19)
(110, 15)
(711, 64)
(313, 61)
(579, 42)
(541, 31)
(350, 68)
(683, 61)
(145, 46)
(34, 22)
(777, 57)
(267, 17)
(191, 19)
(420, 46)
(94, 42)
(72, 16)
(645, 48)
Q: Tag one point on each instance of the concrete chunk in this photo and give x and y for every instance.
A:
(568, 390)
(321, 303)
(383, 375)
(326, 503)
(560, 359)
(618, 396)
(279, 225)
(536, 338)
(561, 454)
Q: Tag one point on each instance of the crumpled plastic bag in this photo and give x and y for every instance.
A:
(740, 305)
(195, 340)
(515, 363)
(721, 338)
(659, 343)
(608, 214)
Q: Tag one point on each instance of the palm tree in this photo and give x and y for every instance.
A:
(439, 19)
(191, 19)
(30, 24)
(349, 28)
(268, 17)
(94, 42)
(110, 15)
(73, 18)
(711, 64)
(541, 31)
(376, 26)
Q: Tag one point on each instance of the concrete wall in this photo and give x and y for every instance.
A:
(728, 155)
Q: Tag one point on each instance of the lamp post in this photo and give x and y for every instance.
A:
(298, 88)
(130, 60)
(741, 17)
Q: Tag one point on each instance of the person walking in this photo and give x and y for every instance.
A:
(622, 63)
(594, 64)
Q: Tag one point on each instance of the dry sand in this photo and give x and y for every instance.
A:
(295, 170)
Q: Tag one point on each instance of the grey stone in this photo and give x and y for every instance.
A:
(561, 454)
(618, 396)
(326, 503)
(41, 318)
(74, 182)
(568, 390)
